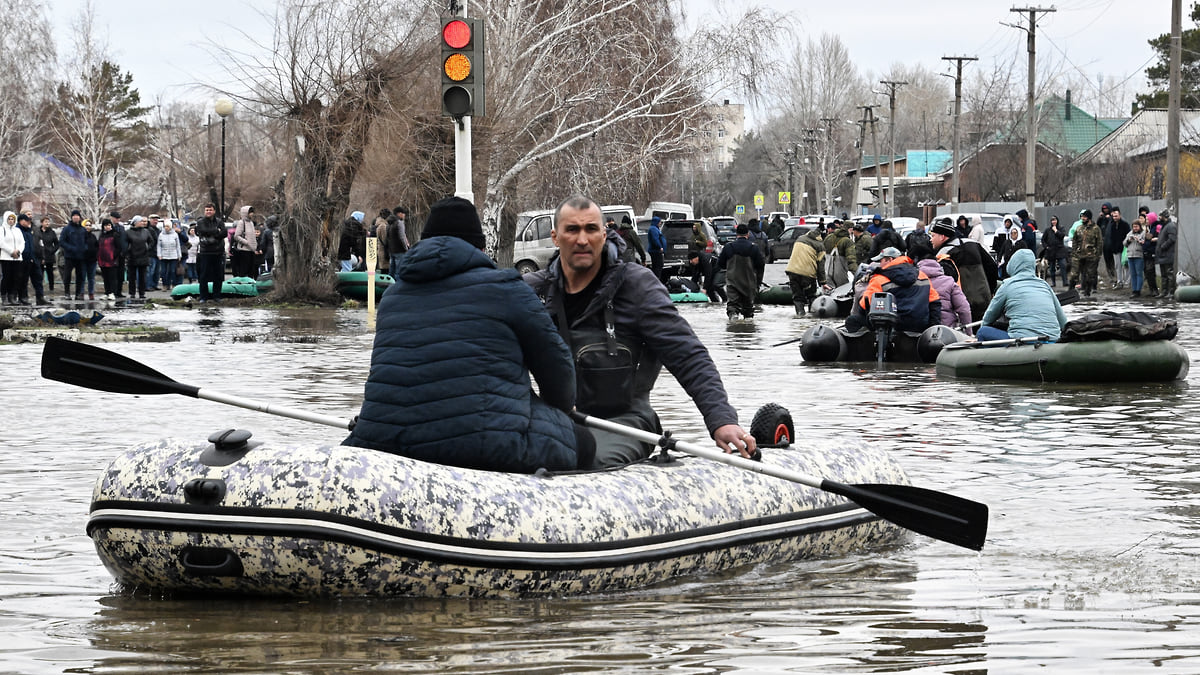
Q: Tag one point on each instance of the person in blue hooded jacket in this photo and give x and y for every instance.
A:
(1027, 300)
(656, 245)
(456, 342)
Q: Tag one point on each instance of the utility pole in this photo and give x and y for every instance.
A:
(1030, 121)
(789, 154)
(810, 141)
(826, 159)
(862, 141)
(875, 149)
(892, 86)
(1173, 111)
(954, 190)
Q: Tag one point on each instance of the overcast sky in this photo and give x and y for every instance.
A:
(162, 44)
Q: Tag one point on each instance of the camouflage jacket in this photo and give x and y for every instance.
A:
(1087, 243)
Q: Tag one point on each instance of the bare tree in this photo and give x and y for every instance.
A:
(599, 88)
(26, 70)
(327, 68)
(97, 121)
(821, 85)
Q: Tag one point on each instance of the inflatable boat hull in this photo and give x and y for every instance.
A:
(339, 521)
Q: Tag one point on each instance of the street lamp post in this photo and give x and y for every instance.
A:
(224, 108)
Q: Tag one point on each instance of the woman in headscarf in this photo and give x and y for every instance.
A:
(1012, 243)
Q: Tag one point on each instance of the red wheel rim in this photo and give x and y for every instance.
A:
(781, 433)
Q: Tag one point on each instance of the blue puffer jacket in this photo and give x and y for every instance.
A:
(449, 381)
(1031, 307)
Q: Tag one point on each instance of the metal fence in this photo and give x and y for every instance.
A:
(1187, 258)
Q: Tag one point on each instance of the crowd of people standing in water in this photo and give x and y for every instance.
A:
(952, 274)
(144, 253)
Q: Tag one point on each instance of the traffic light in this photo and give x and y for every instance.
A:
(462, 67)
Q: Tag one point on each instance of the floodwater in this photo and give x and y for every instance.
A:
(1091, 565)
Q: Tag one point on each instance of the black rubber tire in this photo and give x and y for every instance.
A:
(526, 267)
(772, 426)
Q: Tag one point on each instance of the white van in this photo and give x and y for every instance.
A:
(670, 211)
(533, 248)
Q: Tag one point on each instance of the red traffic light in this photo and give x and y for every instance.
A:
(456, 34)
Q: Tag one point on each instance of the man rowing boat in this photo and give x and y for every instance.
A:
(622, 328)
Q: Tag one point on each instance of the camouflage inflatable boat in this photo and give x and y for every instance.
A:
(236, 517)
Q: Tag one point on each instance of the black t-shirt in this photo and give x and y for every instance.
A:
(574, 304)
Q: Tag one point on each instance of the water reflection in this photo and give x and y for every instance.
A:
(1091, 564)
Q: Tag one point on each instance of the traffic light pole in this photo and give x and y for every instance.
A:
(462, 159)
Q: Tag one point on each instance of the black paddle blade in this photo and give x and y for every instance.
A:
(951, 519)
(85, 365)
(1068, 296)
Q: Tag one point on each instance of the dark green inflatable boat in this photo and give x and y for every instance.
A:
(352, 285)
(236, 287)
(1098, 361)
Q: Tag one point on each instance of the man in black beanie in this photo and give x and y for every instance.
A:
(449, 382)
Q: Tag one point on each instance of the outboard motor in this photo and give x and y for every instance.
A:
(883, 318)
(932, 339)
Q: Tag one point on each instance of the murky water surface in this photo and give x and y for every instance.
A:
(1092, 563)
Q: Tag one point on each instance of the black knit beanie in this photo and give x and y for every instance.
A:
(455, 217)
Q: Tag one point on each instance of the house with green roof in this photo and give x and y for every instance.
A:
(996, 171)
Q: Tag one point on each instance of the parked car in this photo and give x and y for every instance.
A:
(670, 210)
(782, 248)
(991, 221)
(725, 228)
(678, 234)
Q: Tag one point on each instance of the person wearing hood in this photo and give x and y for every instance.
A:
(956, 311)
(966, 261)
(12, 243)
(962, 225)
(1054, 251)
(353, 242)
(1150, 249)
(1029, 230)
(886, 237)
(976, 233)
(245, 245)
(1030, 305)
(876, 225)
(1012, 243)
(917, 303)
(456, 343)
(1168, 238)
(806, 270)
(142, 247)
(657, 244)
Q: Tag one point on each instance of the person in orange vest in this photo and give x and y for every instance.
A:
(917, 303)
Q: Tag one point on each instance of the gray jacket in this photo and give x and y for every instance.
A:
(648, 323)
(1167, 238)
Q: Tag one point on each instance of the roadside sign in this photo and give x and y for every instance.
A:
(785, 198)
(758, 200)
(740, 209)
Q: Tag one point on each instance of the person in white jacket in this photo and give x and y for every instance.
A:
(169, 253)
(12, 242)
